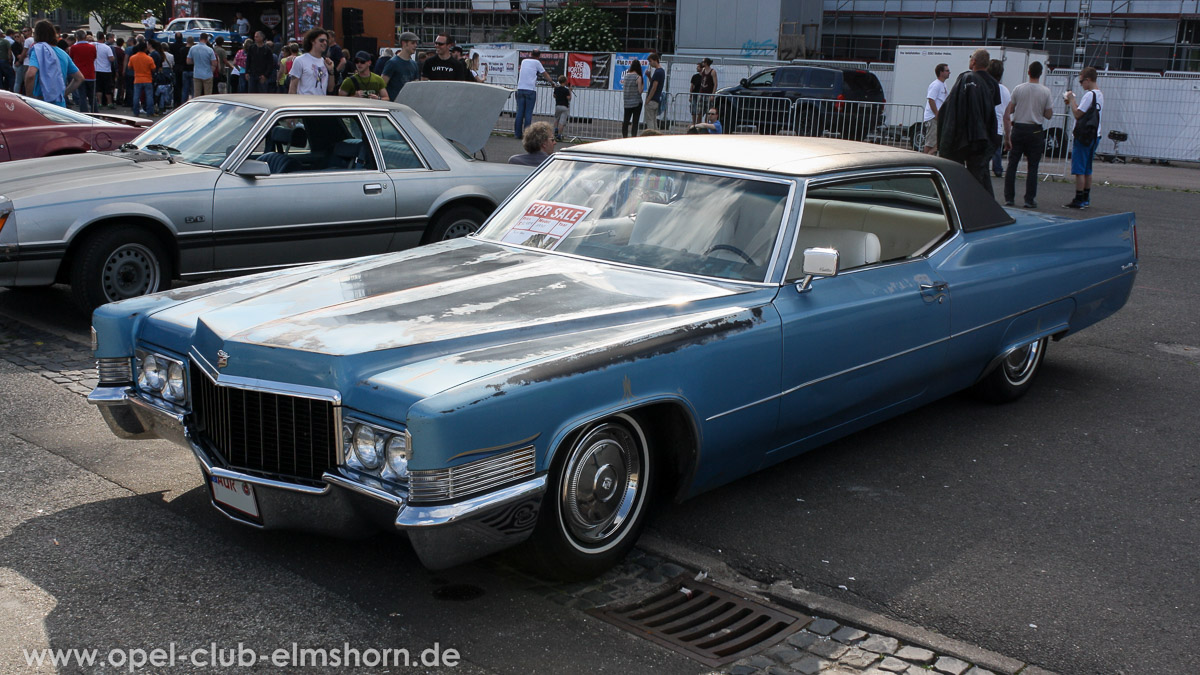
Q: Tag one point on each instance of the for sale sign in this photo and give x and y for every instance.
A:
(545, 224)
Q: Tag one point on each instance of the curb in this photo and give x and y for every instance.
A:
(783, 594)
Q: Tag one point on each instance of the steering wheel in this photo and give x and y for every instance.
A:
(732, 249)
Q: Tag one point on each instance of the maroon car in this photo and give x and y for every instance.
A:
(33, 128)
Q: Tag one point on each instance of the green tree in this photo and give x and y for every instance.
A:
(15, 13)
(108, 12)
(579, 26)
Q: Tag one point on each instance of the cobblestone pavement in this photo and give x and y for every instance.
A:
(823, 646)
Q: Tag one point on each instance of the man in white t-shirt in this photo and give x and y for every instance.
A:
(242, 26)
(26, 48)
(1082, 153)
(310, 72)
(935, 96)
(104, 66)
(1025, 133)
(527, 90)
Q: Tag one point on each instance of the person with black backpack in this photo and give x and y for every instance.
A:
(1087, 135)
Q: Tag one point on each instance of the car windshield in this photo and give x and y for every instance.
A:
(202, 132)
(61, 115)
(682, 221)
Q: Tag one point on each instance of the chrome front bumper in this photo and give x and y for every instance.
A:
(444, 535)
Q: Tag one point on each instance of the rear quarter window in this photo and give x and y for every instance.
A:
(822, 79)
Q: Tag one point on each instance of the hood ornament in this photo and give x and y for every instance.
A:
(222, 358)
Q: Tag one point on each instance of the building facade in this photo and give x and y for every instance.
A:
(1141, 35)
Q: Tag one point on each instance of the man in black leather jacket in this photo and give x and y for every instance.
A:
(967, 120)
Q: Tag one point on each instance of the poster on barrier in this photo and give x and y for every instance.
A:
(501, 64)
(621, 63)
(555, 63)
(590, 71)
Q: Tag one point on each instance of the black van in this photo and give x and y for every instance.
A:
(805, 100)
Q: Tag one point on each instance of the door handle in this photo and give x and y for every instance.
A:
(372, 188)
(940, 287)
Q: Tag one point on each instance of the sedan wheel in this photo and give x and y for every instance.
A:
(597, 504)
(1014, 375)
(118, 263)
(459, 221)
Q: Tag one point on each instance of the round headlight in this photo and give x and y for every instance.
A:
(397, 456)
(368, 446)
(175, 389)
(152, 376)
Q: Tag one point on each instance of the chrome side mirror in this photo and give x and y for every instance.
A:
(253, 168)
(818, 262)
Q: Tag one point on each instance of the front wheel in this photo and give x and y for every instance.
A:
(596, 504)
(118, 263)
(454, 223)
(1014, 376)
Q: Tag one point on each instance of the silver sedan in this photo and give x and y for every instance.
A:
(242, 183)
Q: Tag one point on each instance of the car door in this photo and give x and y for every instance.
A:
(326, 197)
(876, 335)
(414, 183)
(757, 104)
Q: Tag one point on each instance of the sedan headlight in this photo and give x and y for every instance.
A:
(368, 446)
(161, 376)
(397, 457)
(376, 450)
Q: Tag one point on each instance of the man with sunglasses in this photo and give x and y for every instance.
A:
(443, 66)
(363, 83)
(310, 71)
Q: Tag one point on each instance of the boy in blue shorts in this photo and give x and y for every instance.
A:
(1090, 104)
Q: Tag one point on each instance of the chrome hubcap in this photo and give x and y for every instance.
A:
(1021, 363)
(601, 483)
(130, 270)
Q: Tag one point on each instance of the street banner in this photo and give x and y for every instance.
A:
(590, 71)
(555, 63)
(501, 62)
(621, 61)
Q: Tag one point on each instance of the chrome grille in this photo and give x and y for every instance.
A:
(473, 477)
(287, 436)
(114, 371)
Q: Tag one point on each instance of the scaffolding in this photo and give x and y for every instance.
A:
(642, 25)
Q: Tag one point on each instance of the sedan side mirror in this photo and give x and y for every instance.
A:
(819, 262)
(745, 82)
(253, 168)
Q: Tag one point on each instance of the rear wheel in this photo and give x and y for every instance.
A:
(916, 135)
(596, 503)
(458, 221)
(118, 263)
(1014, 376)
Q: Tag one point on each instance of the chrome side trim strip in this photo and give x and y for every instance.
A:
(913, 349)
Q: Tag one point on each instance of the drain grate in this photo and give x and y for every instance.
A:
(710, 624)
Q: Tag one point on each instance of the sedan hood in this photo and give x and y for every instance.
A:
(448, 297)
(87, 174)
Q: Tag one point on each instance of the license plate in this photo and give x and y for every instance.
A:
(235, 494)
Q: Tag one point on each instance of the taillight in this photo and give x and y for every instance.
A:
(841, 103)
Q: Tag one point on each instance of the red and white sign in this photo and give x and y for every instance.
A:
(545, 224)
(236, 494)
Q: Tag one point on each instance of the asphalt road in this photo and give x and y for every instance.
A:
(1060, 530)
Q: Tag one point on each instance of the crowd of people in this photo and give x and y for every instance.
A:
(152, 77)
(974, 121)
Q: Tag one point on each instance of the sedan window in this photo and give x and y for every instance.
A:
(683, 221)
(307, 143)
(205, 133)
(397, 153)
(871, 220)
(763, 79)
(61, 115)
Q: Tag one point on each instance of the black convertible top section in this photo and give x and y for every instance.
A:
(806, 157)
